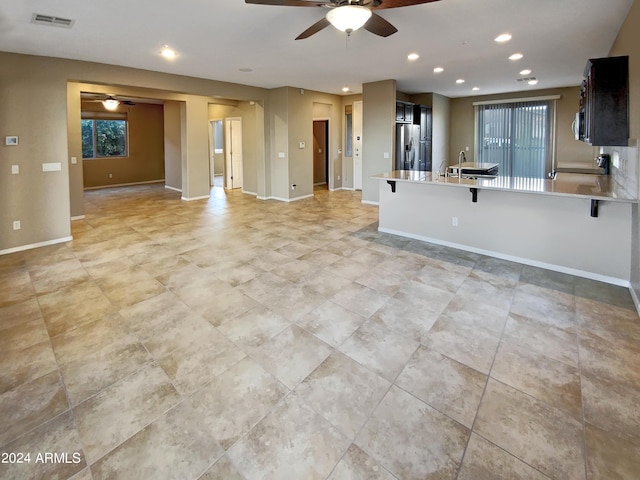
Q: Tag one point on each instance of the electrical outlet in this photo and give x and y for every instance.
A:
(338, 177)
(111, 175)
(454, 221)
(16, 225)
(15, 169)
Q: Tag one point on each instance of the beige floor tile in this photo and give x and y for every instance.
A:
(331, 323)
(617, 361)
(485, 461)
(610, 457)
(473, 347)
(94, 356)
(19, 313)
(344, 392)
(291, 442)
(541, 436)
(176, 445)
(379, 349)
(31, 404)
(74, 306)
(558, 310)
(359, 299)
(121, 410)
(57, 436)
(192, 365)
(234, 402)
(357, 465)
(18, 366)
(412, 440)
(412, 319)
(448, 386)
(51, 277)
(223, 469)
(443, 275)
(477, 314)
(612, 406)
(551, 381)
(540, 337)
(253, 328)
(291, 355)
(16, 287)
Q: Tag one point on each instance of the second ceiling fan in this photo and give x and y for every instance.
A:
(347, 15)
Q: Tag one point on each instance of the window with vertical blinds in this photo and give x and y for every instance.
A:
(518, 135)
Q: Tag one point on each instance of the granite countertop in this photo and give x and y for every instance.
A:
(597, 187)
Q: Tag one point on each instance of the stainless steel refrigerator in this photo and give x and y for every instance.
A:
(408, 147)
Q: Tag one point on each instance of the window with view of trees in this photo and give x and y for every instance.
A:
(104, 138)
(517, 135)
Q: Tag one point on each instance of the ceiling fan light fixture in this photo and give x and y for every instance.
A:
(348, 18)
(110, 103)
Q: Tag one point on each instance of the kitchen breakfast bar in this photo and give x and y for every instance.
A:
(575, 223)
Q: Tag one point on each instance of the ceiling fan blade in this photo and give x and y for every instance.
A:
(379, 26)
(289, 3)
(315, 28)
(399, 3)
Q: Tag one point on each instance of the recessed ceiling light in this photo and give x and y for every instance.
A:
(438, 70)
(533, 81)
(246, 70)
(345, 89)
(167, 52)
(516, 56)
(475, 89)
(526, 71)
(413, 57)
(505, 37)
(460, 80)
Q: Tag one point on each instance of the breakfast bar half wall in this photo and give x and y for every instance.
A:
(549, 223)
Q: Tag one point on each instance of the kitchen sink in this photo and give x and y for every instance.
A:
(474, 170)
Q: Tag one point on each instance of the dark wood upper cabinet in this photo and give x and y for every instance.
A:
(603, 118)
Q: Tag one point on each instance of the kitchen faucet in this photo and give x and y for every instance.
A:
(461, 157)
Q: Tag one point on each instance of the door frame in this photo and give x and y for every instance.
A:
(328, 166)
(357, 144)
(213, 147)
(229, 133)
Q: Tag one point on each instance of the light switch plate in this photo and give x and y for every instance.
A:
(15, 169)
(74, 160)
(51, 167)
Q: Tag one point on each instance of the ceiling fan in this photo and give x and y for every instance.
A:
(347, 15)
(110, 102)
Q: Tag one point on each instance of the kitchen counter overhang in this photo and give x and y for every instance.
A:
(543, 222)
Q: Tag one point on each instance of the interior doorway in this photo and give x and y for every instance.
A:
(357, 145)
(233, 153)
(320, 153)
(216, 153)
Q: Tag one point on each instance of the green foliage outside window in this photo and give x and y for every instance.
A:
(104, 138)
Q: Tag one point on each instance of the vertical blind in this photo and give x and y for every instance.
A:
(518, 136)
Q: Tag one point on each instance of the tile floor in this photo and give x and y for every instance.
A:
(243, 339)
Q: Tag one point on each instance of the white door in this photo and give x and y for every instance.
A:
(233, 158)
(357, 145)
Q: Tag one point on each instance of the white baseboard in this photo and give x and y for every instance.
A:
(21, 248)
(369, 202)
(525, 261)
(255, 194)
(173, 188)
(287, 200)
(191, 199)
(148, 182)
(79, 217)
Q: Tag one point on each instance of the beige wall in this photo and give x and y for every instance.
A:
(567, 148)
(627, 43)
(378, 134)
(172, 145)
(145, 159)
(34, 107)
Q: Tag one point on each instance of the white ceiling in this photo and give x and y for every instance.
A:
(215, 39)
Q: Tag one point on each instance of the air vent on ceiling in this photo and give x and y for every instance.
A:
(526, 79)
(51, 20)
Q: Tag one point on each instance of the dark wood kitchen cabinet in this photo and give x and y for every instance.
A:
(404, 112)
(603, 118)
